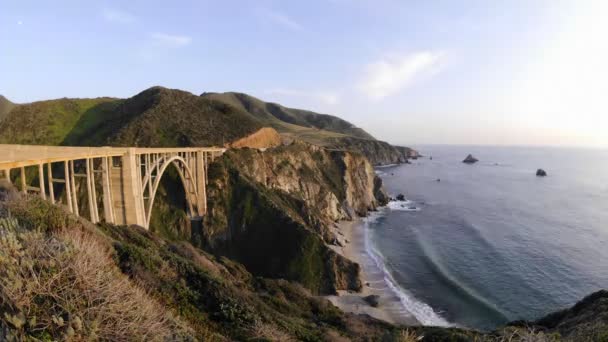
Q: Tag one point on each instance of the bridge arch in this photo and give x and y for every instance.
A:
(151, 183)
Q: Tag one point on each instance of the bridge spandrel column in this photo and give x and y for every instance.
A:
(132, 189)
(201, 178)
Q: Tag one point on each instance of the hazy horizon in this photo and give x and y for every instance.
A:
(509, 74)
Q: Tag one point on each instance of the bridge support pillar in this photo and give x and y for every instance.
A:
(200, 168)
(132, 189)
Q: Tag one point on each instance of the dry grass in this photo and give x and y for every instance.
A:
(67, 286)
(408, 336)
(513, 334)
(269, 332)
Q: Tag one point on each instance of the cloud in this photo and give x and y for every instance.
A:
(390, 75)
(280, 19)
(117, 16)
(328, 98)
(20, 22)
(169, 40)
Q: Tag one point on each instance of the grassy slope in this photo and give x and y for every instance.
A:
(297, 122)
(5, 107)
(205, 297)
(317, 129)
(155, 117)
(51, 122)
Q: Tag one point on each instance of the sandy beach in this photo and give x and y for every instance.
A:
(390, 309)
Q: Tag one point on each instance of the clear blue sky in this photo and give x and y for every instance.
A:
(414, 72)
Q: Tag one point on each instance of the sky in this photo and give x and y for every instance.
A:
(517, 72)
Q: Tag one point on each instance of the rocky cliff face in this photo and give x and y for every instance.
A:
(272, 211)
(336, 184)
(378, 152)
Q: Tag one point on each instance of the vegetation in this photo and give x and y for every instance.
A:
(71, 280)
(265, 230)
(155, 117)
(59, 283)
(317, 129)
(51, 122)
(5, 107)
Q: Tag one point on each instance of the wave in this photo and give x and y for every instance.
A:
(431, 259)
(421, 311)
(406, 205)
(386, 166)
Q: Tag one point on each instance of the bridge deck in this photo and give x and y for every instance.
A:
(14, 156)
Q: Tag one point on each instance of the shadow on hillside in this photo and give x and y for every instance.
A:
(94, 126)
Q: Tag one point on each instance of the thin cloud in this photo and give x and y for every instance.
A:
(117, 16)
(390, 75)
(169, 40)
(280, 19)
(328, 98)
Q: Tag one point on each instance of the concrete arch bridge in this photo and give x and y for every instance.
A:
(121, 182)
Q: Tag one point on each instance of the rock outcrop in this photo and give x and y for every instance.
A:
(264, 138)
(470, 159)
(378, 152)
(541, 173)
(271, 210)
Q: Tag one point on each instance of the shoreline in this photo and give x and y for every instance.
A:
(353, 237)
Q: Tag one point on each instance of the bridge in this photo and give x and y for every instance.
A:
(122, 181)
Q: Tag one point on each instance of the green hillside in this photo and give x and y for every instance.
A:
(317, 129)
(5, 107)
(288, 120)
(154, 117)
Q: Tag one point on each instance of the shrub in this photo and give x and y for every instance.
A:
(66, 286)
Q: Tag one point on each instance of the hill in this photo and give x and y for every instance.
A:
(283, 119)
(169, 117)
(317, 129)
(5, 107)
(155, 117)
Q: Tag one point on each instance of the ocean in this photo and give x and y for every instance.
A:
(491, 242)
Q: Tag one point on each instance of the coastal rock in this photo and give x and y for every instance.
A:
(470, 159)
(274, 211)
(541, 173)
(400, 197)
(377, 152)
(372, 300)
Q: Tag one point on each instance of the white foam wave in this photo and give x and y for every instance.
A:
(385, 166)
(421, 311)
(406, 205)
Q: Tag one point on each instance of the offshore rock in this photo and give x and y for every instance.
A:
(470, 159)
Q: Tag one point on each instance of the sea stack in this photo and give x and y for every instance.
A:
(541, 173)
(470, 159)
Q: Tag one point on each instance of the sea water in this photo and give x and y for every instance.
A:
(480, 245)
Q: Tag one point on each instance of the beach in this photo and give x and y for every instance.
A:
(390, 309)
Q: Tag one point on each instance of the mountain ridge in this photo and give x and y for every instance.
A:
(160, 116)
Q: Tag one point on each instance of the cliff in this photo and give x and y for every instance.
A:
(272, 211)
(378, 152)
